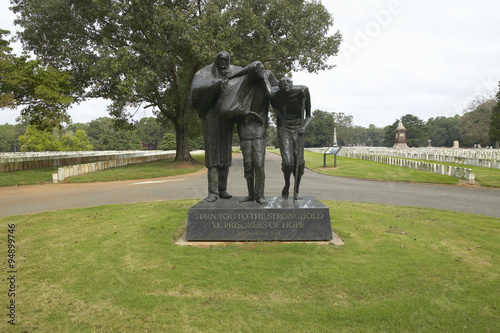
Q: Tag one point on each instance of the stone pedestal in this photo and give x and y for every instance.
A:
(400, 137)
(228, 220)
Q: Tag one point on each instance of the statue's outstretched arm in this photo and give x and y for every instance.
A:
(241, 72)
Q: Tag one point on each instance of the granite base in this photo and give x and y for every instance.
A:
(279, 219)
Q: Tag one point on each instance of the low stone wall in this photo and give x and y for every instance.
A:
(81, 169)
(32, 160)
(459, 172)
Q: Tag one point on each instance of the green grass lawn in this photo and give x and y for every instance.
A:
(356, 168)
(485, 176)
(27, 177)
(163, 168)
(117, 268)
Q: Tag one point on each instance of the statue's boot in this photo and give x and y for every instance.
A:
(212, 197)
(299, 178)
(287, 171)
(261, 201)
(225, 195)
(223, 175)
(213, 181)
(259, 187)
(251, 191)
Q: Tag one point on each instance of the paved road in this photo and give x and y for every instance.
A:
(40, 198)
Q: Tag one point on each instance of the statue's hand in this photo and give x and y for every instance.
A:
(302, 131)
(220, 84)
(261, 74)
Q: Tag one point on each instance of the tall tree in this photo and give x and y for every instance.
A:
(390, 134)
(8, 138)
(77, 142)
(494, 132)
(475, 123)
(42, 92)
(416, 133)
(319, 133)
(375, 136)
(150, 131)
(443, 131)
(357, 136)
(105, 136)
(38, 140)
(345, 127)
(147, 51)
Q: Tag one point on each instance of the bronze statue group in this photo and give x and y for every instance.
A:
(225, 95)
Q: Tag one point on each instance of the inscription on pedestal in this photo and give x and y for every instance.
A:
(228, 220)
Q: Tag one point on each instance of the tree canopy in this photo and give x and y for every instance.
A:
(76, 142)
(443, 131)
(146, 52)
(494, 132)
(105, 136)
(319, 133)
(416, 131)
(475, 123)
(43, 92)
(9, 135)
(38, 140)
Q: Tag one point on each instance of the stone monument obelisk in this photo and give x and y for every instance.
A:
(400, 136)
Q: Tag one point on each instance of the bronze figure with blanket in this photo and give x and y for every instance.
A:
(207, 86)
(246, 99)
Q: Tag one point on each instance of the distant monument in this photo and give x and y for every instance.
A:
(400, 137)
(335, 143)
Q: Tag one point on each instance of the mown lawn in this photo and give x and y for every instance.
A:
(163, 168)
(485, 176)
(356, 168)
(117, 268)
(27, 177)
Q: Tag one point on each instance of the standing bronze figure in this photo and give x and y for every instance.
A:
(246, 99)
(292, 105)
(208, 84)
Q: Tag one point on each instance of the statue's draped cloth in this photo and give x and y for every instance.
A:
(217, 130)
(237, 97)
(241, 95)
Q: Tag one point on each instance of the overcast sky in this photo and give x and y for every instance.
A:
(421, 57)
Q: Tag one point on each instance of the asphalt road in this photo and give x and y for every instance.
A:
(40, 198)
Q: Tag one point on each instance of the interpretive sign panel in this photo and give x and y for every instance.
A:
(279, 219)
(332, 150)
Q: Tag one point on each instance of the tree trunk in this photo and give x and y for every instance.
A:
(182, 141)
